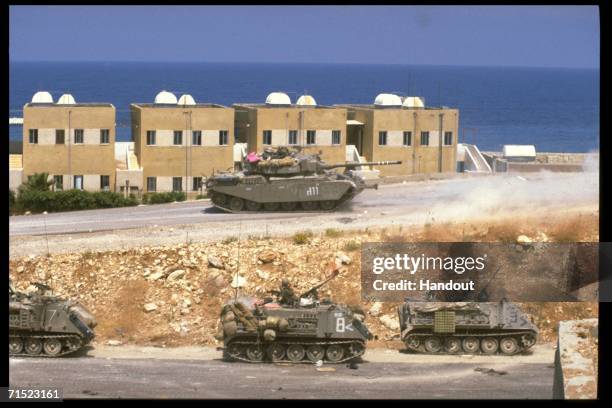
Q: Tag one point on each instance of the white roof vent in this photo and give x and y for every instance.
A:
(278, 98)
(519, 151)
(165, 97)
(186, 100)
(387, 100)
(42, 97)
(306, 100)
(413, 102)
(66, 99)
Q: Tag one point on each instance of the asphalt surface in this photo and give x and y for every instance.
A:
(87, 377)
(414, 201)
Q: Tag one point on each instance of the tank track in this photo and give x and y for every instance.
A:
(43, 337)
(522, 342)
(304, 360)
(347, 197)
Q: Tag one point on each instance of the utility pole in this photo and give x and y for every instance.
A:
(70, 176)
(440, 140)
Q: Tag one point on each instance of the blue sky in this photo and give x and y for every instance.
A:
(532, 36)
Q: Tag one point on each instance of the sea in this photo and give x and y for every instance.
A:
(555, 109)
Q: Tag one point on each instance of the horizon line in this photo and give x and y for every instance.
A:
(304, 63)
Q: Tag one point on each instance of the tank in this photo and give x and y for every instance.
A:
(466, 327)
(44, 325)
(287, 180)
(304, 331)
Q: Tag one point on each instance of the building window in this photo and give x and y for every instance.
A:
(448, 138)
(196, 138)
(335, 137)
(78, 136)
(150, 137)
(104, 136)
(424, 138)
(177, 184)
(407, 138)
(292, 137)
(60, 136)
(382, 138)
(151, 183)
(267, 137)
(78, 182)
(178, 137)
(222, 137)
(104, 183)
(197, 183)
(311, 137)
(58, 182)
(33, 136)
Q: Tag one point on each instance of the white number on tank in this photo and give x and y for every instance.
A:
(340, 325)
(312, 191)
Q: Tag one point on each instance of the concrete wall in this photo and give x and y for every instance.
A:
(68, 159)
(415, 158)
(15, 179)
(254, 119)
(165, 160)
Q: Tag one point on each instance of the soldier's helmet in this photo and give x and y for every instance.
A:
(285, 282)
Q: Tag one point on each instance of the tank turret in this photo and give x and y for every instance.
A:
(288, 180)
(42, 324)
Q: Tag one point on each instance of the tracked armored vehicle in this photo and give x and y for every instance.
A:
(286, 180)
(44, 325)
(466, 328)
(304, 332)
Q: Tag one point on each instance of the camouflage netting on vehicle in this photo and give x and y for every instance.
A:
(284, 162)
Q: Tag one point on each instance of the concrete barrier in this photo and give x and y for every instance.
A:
(575, 360)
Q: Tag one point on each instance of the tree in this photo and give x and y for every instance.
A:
(36, 182)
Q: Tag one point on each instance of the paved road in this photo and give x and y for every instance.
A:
(86, 377)
(419, 201)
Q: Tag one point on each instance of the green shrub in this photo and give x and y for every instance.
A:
(332, 233)
(303, 237)
(351, 246)
(159, 198)
(70, 200)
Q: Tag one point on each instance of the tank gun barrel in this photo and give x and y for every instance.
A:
(352, 165)
(318, 285)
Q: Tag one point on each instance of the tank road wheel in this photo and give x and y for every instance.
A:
(252, 205)
(233, 351)
(236, 204)
(452, 345)
(276, 352)
(489, 345)
(470, 345)
(356, 349)
(509, 346)
(254, 352)
(52, 347)
(433, 344)
(288, 206)
(15, 345)
(528, 340)
(33, 346)
(296, 352)
(413, 342)
(271, 206)
(309, 205)
(327, 205)
(219, 199)
(334, 353)
(315, 353)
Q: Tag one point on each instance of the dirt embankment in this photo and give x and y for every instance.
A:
(171, 295)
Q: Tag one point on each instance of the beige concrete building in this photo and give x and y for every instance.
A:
(424, 138)
(73, 142)
(178, 143)
(278, 122)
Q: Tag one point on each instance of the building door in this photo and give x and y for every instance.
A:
(354, 136)
(78, 182)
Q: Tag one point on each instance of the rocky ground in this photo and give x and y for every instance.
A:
(171, 295)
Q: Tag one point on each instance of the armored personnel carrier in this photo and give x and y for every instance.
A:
(307, 330)
(466, 327)
(287, 181)
(44, 325)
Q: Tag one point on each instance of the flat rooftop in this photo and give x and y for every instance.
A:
(292, 106)
(372, 106)
(175, 106)
(73, 105)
